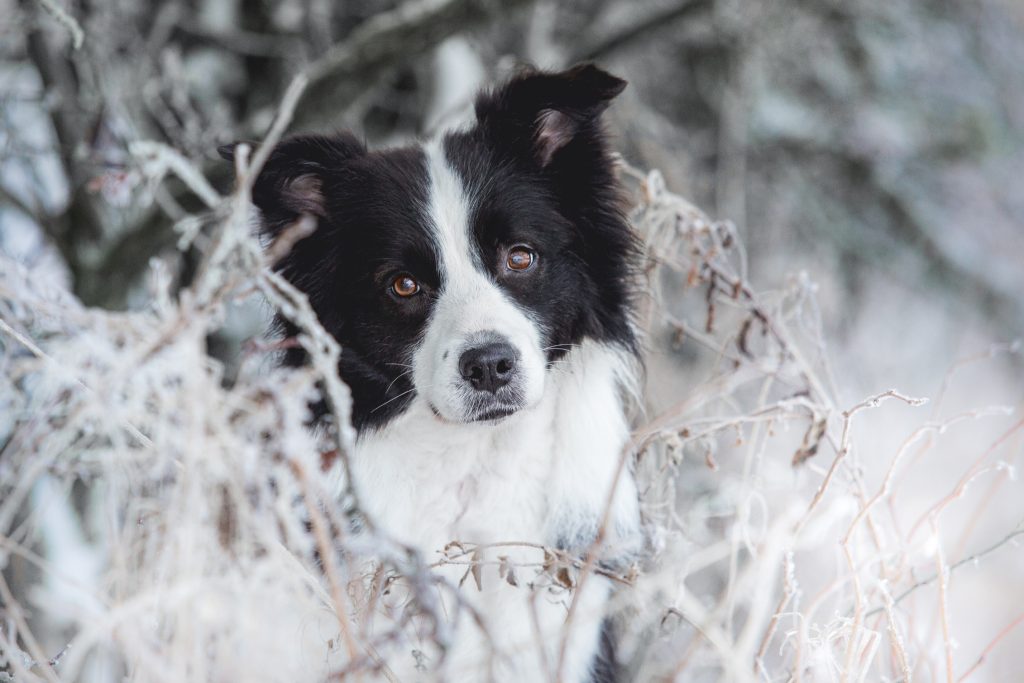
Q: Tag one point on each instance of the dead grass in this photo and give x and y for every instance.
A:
(163, 526)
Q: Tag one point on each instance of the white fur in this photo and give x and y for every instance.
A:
(541, 475)
(470, 305)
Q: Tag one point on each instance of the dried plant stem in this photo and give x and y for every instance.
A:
(844, 444)
(14, 660)
(167, 158)
(973, 471)
(327, 557)
(590, 560)
(285, 114)
(36, 351)
(991, 646)
(896, 640)
(972, 559)
(942, 571)
(13, 609)
(788, 592)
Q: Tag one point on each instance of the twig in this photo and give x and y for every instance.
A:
(299, 230)
(65, 20)
(39, 353)
(896, 640)
(590, 559)
(564, 559)
(14, 610)
(789, 590)
(865, 510)
(388, 39)
(992, 351)
(285, 114)
(942, 572)
(967, 478)
(991, 646)
(971, 559)
(159, 158)
(844, 442)
(662, 18)
(327, 557)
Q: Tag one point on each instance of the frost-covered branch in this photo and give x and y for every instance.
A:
(213, 513)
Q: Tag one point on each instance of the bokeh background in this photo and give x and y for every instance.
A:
(871, 150)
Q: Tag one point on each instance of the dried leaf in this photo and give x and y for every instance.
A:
(812, 439)
(510, 577)
(549, 561)
(503, 566)
(476, 569)
(564, 577)
(453, 544)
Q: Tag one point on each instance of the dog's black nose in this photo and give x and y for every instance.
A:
(488, 367)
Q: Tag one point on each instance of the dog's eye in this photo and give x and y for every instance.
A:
(404, 286)
(520, 258)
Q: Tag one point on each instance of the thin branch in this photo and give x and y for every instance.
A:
(971, 559)
(844, 442)
(39, 353)
(159, 159)
(327, 556)
(632, 33)
(390, 39)
(65, 20)
(34, 649)
(285, 114)
(289, 237)
(991, 646)
(942, 572)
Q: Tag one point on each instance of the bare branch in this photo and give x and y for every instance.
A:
(662, 18)
(387, 40)
(66, 20)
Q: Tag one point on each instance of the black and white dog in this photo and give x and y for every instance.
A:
(480, 286)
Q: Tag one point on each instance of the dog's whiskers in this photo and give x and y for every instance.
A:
(564, 347)
(395, 398)
(400, 376)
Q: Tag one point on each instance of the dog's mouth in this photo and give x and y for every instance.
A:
(493, 409)
(494, 414)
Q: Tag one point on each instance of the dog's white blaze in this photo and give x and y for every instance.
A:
(470, 304)
(540, 476)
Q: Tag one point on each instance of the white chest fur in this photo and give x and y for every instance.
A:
(540, 477)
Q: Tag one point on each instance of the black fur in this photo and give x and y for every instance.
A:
(565, 201)
(606, 667)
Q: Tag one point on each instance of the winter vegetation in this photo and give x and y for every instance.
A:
(827, 442)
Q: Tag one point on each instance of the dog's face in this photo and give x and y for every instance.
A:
(457, 273)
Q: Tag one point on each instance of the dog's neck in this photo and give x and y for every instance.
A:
(551, 466)
(540, 478)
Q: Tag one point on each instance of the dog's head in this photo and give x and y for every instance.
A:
(458, 272)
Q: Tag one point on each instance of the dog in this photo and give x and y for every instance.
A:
(481, 286)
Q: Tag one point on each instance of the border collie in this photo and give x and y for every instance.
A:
(480, 286)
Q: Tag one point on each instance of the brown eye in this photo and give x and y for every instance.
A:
(520, 258)
(405, 286)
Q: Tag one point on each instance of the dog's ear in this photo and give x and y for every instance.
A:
(292, 181)
(546, 111)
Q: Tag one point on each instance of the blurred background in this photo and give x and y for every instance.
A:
(874, 148)
(877, 144)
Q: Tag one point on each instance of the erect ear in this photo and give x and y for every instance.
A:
(548, 109)
(292, 181)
